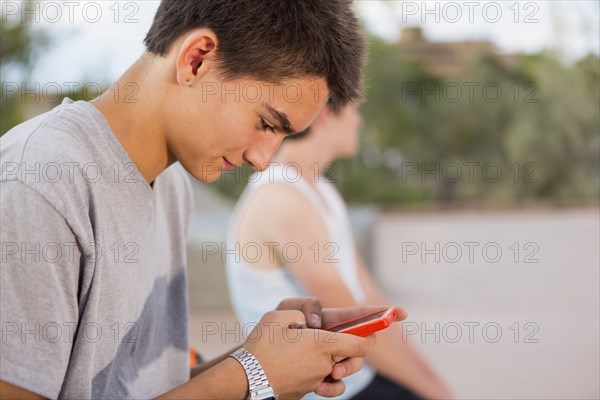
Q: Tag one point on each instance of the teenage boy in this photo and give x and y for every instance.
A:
(95, 206)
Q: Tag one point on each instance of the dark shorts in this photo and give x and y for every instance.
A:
(381, 388)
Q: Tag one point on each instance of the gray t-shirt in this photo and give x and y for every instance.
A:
(93, 293)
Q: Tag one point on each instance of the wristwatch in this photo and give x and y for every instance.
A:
(259, 387)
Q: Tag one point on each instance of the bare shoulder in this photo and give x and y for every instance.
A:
(279, 206)
(280, 200)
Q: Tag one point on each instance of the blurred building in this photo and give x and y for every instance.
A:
(450, 59)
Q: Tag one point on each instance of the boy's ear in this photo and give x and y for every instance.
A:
(196, 56)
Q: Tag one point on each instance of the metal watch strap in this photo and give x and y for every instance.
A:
(258, 384)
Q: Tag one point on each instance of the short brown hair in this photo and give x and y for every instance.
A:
(273, 40)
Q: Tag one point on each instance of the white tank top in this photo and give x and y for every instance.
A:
(255, 291)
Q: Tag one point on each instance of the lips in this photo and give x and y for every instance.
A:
(227, 165)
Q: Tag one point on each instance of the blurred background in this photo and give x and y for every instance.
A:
(475, 196)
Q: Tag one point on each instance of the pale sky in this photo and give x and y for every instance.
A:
(98, 40)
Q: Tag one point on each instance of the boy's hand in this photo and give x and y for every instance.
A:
(299, 361)
(317, 318)
(310, 306)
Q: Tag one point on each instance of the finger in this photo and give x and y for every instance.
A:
(348, 345)
(295, 325)
(335, 316)
(401, 313)
(330, 388)
(347, 367)
(309, 306)
(289, 318)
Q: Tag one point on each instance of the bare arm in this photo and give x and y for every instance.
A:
(198, 369)
(316, 356)
(9, 391)
(223, 380)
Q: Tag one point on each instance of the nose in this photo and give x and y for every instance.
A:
(261, 154)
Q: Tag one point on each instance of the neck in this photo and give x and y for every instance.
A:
(307, 156)
(133, 111)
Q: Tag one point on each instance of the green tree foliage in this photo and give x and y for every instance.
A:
(20, 43)
(536, 123)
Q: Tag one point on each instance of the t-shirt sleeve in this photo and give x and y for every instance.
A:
(39, 274)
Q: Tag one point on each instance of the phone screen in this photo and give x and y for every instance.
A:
(358, 321)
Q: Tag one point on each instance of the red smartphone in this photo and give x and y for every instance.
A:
(364, 326)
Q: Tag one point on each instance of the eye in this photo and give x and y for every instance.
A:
(266, 127)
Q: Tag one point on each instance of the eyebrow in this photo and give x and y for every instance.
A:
(284, 122)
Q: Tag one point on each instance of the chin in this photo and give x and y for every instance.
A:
(204, 172)
(208, 178)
